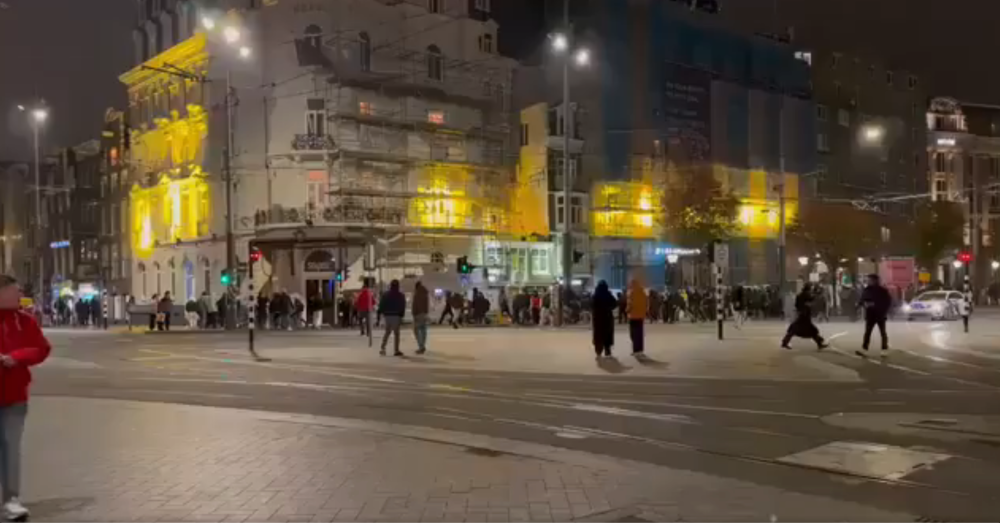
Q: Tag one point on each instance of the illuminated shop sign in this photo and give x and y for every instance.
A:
(60, 244)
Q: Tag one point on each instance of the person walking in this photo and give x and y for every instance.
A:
(965, 310)
(421, 308)
(876, 301)
(637, 308)
(363, 305)
(803, 326)
(22, 345)
(603, 305)
(392, 307)
(622, 308)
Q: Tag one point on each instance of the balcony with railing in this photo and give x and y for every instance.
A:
(312, 142)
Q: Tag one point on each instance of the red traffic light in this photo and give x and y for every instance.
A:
(965, 257)
(255, 255)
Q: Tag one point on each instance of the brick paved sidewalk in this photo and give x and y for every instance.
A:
(107, 460)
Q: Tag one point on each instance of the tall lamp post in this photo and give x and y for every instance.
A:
(581, 58)
(37, 117)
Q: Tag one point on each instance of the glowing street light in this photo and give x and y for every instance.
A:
(995, 265)
(582, 57)
(40, 115)
(560, 42)
(231, 34)
(873, 133)
(245, 52)
(208, 23)
(803, 260)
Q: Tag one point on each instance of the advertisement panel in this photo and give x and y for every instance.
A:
(898, 272)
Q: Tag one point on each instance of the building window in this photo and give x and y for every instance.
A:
(822, 142)
(889, 78)
(844, 117)
(435, 117)
(575, 210)
(940, 163)
(435, 63)
(316, 123)
(883, 178)
(486, 43)
(434, 6)
(911, 82)
(365, 108)
(524, 135)
(821, 113)
(483, 5)
(365, 51)
(314, 36)
(838, 89)
(539, 261)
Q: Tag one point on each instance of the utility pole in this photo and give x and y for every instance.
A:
(38, 219)
(227, 169)
(567, 185)
(782, 212)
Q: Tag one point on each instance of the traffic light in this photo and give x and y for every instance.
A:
(463, 266)
(227, 278)
(255, 255)
(965, 257)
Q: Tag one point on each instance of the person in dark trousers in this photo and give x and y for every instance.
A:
(421, 307)
(363, 306)
(603, 306)
(22, 345)
(637, 308)
(876, 301)
(447, 310)
(155, 310)
(392, 307)
(803, 326)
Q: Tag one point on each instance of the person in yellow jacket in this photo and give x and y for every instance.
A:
(637, 305)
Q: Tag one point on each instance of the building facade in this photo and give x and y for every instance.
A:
(870, 133)
(672, 93)
(963, 151)
(15, 249)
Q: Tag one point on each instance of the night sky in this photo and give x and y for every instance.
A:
(70, 52)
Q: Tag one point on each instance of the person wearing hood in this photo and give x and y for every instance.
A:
(603, 306)
(803, 326)
(22, 345)
(637, 305)
(421, 308)
(392, 307)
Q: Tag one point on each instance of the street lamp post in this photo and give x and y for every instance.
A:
(561, 44)
(38, 116)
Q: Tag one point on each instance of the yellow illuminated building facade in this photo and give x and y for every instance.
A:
(170, 199)
(530, 197)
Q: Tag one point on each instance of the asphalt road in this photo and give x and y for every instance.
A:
(936, 396)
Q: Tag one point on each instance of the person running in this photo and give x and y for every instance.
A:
(637, 308)
(803, 326)
(22, 345)
(392, 307)
(603, 306)
(421, 307)
(876, 301)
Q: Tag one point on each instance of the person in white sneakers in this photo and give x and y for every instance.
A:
(22, 345)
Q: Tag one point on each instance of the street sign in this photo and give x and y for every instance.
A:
(722, 255)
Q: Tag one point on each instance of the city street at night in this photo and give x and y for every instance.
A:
(698, 430)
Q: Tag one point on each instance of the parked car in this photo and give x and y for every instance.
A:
(935, 305)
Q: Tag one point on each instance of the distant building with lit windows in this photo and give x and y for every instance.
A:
(963, 151)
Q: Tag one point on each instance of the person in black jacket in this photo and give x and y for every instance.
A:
(392, 307)
(876, 301)
(603, 306)
(803, 326)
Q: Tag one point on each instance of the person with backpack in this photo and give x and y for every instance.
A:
(22, 345)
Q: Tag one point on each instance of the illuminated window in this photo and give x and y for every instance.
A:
(435, 117)
(539, 261)
(435, 63)
(365, 108)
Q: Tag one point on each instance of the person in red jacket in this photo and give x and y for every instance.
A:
(22, 345)
(364, 304)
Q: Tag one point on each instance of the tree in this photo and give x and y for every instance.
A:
(939, 228)
(697, 209)
(836, 231)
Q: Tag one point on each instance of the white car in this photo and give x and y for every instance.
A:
(936, 305)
